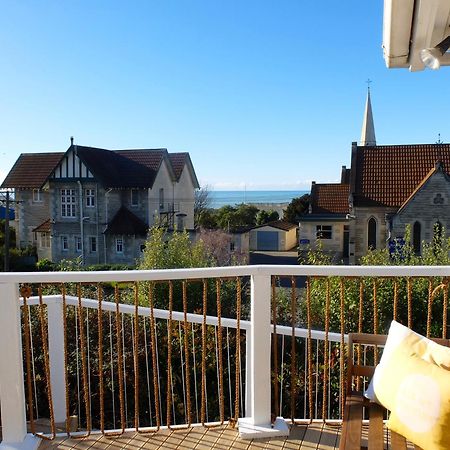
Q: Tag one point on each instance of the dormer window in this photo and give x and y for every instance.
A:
(134, 197)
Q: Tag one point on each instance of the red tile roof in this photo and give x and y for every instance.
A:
(330, 198)
(44, 227)
(31, 170)
(386, 175)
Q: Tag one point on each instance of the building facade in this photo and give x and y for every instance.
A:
(98, 204)
(387, 189)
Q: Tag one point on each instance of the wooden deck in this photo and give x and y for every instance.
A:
(313, 436)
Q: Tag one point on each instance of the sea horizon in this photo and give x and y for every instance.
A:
(219, 198)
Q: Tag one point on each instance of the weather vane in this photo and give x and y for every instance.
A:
(439, 139)
(368, 83)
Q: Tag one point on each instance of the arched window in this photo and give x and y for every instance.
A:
(417, 238)
(372, 234)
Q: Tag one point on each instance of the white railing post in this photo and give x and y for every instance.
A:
(56, 356)
(258, 424)
(12, 392)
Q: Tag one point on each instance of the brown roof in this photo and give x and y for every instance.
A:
(31, 170)
(44, 227)
(280, 224)
(113, 168)
(126, 223)
(386, 175)
(330, 198)
(178, 161)
(149, 158)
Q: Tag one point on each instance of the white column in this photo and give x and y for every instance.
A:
(12, 393)
(248, 375)
(258, 423)
(56, 356)
(260, 349)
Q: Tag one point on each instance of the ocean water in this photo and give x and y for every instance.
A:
(222, 198)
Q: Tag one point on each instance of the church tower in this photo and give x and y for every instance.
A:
(368, 129)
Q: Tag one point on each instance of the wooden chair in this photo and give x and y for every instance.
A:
(355, 403)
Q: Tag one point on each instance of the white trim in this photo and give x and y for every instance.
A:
(37, 196)
(232, 271)
(119, 245)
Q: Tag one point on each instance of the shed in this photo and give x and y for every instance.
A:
(278, 235)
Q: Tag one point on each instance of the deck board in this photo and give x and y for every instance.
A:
(313, 436)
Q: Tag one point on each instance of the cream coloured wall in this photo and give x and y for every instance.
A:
(359, 228)
(185, 196)
(307, 230)
(287, 240)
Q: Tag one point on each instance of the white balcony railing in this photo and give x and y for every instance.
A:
(261, 375)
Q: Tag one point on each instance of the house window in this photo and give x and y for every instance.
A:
(232, 247)
(37, 196)
(119, 245)
(90, 197)
(93, 244)
(45, 240)
(324, 231)
(161, 199)
(372, 234)
(78, 244)
(68, 203)
(64, 243)
(417, 238)
(134, 197)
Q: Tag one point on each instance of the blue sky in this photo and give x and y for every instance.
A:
(266, 95)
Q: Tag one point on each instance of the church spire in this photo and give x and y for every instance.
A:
(368, 129)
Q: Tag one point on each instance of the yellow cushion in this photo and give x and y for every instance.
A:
(420, 400)
(402, 339)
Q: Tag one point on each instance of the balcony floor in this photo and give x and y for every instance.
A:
(312, 436)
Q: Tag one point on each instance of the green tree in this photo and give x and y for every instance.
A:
(434, 253)
(264, 216)
(297, 207)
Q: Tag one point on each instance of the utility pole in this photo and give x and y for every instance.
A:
(7, 233)
(7, 201)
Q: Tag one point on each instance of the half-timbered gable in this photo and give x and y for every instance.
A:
(97, 204)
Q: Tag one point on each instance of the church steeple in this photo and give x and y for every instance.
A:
(368, 129)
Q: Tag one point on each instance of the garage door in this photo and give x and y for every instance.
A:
(267, 240)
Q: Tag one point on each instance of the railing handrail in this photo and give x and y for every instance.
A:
(223, 272)
(226, 322)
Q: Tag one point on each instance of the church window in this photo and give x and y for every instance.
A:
(372, 234)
